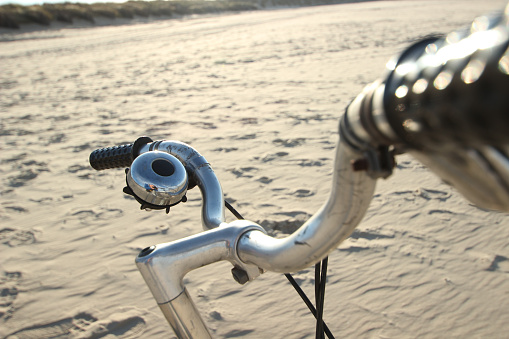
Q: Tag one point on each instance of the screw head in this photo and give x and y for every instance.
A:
(146, 251)
(240, 275)
(360, 165)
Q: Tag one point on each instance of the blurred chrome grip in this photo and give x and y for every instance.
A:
(452, 91)
(446, 101)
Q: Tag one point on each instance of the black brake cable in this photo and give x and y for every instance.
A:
(320, 295)
(320, 280)
(233, 210)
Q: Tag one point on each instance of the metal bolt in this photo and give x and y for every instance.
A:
(360, 165)
(146, 251)
(240, 275)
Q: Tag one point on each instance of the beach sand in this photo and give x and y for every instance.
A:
(259, 94)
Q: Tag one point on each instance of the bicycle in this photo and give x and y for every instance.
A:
(415, 109)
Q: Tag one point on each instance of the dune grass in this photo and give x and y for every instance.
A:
(13, 16)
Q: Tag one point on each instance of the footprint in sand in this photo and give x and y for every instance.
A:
(42, 201)
(18, 157)
(303, 193)
(289, 142)
(77, 168)
(8, 293)
(499, 264)
(310, 163)
(272, 156)
(59, 329)
(226, 149)
(98, 213)
(123, 325)
(237, 333)
(15, 237)
(249, 121)
(215, 315)
(285, 226)
(427, 194)
(21, 178)
(244, 137)
(17, 209)
(8, 84)
(430, 194)
(291, 222)
(80, 148)
(204, 125)
(56, 139)
(30, 170)
(358, 234)
(264, 180)
(83, 172)
(245, 172)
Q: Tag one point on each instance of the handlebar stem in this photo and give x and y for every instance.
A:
(164, 266)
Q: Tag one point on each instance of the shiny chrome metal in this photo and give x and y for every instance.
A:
(347, 203)
(376, 124)
(183, 316)
(210, 187)
(158, 178)
(480, 175)
(164, 266)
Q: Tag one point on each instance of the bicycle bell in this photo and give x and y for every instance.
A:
(157, 180)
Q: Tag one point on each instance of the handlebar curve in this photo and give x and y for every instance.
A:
(348, 201)
(198, 168)
(444, 100)
(202, 174)
(443, 92)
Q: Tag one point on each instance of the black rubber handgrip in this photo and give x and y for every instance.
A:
(112, 157)
(117, 156)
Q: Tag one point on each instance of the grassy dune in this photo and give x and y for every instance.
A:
(13, 16)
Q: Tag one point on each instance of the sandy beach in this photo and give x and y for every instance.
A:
(259, 94)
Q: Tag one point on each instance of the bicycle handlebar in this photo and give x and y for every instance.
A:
(443, 100)
(111, 157)
(443, 92)
(452, 91)
(117, 156)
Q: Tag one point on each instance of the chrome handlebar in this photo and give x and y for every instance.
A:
(444, 100)
(244, 243)
(395, 115)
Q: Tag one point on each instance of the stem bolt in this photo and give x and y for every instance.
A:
(240, 275)
(146, 251)
(360, 165)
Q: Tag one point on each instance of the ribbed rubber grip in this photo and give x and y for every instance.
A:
(112, 157)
